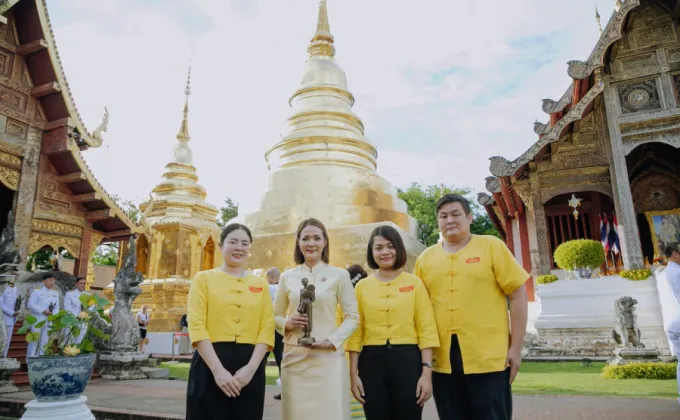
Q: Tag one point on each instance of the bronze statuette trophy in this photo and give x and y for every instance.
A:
(307, 297)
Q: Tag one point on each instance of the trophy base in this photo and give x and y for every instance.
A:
(306, 341)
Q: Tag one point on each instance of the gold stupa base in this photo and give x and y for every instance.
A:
(166, 301)
(347, 246)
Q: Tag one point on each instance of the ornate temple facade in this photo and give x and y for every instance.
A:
(44, 179)
(180, 235)
(608, 149)
(324, 167)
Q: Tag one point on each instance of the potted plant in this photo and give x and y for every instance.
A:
(580, 256)
(64, 369)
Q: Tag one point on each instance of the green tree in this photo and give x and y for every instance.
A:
(422, 202)
(129, 207)
(106, 254)
(227, 212)
(42, 259)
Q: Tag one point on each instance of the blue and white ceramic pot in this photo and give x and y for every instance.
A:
(59, 378)
(584, 272)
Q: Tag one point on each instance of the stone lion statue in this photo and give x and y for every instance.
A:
(626, 331)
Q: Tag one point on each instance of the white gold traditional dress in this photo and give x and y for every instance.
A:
(315, 383)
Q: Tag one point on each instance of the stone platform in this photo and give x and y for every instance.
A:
(165, 400)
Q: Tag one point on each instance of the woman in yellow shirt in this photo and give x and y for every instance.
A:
(231, 324)
(391, 350)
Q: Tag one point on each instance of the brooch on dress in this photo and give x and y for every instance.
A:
(323, 279)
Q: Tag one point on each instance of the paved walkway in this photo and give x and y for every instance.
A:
(166, 398)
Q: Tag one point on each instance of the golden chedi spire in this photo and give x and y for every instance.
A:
(181, 234)
(323, 128)
(179, 197)
(183, 134)
(324, 167)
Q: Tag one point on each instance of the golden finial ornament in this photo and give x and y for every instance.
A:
(183, 134)
(322, 42)
(618, 5)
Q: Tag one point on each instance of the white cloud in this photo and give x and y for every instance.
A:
(248, 57)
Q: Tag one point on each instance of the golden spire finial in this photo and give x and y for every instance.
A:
(597, 18)
(183, 134)
(322, 42)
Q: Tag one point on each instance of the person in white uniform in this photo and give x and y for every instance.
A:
(72, 304)
(8, 302)
(672, 252)
(43, 302)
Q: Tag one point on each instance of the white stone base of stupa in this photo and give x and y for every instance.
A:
(58, 410)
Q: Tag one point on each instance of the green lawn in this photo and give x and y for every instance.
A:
(545, 379)
(573, 379)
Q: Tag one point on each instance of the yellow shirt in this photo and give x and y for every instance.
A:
(468, 291)
(224, 308)
(398, 310)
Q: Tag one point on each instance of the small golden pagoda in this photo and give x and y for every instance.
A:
(181, 236)
(324, 167)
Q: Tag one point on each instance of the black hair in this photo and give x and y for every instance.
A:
(232, 227)
(454, 198)
(356, 271)
(391, 234)
(46, 276)
(671, 248)
(325, 254)
(80, 278)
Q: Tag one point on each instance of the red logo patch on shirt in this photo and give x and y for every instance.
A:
(406, 289)
(255, 289)
(472, 260)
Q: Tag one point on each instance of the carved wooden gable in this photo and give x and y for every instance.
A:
(583, 147)
(18, 109)
(54, 198)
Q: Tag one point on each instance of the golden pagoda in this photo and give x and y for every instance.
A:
(324, 167)
(180, 236)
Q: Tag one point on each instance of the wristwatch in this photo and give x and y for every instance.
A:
(427, 364)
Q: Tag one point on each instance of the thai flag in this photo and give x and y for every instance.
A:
(614, 236)
(604, 233)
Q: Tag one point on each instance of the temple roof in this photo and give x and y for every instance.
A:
(64, 127)
(562, 112)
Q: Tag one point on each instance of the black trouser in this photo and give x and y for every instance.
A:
(480, 396)
(206, 401)
(390, 376)
(278, 350)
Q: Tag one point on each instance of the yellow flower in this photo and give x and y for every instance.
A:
(71, 350)
(92, 302)
(84, 316)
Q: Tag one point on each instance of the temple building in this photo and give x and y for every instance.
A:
(606, 160)
(324, 167)
(44, 179)
(45, 182)
(180, 236)
(608, 148)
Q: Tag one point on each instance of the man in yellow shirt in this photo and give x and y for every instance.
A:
(470, 279)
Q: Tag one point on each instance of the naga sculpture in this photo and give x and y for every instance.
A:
(9, 257)
(123, 330)
(626, 331)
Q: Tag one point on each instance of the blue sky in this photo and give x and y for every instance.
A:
(441, 85)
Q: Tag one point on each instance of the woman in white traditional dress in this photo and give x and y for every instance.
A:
(315, 378)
